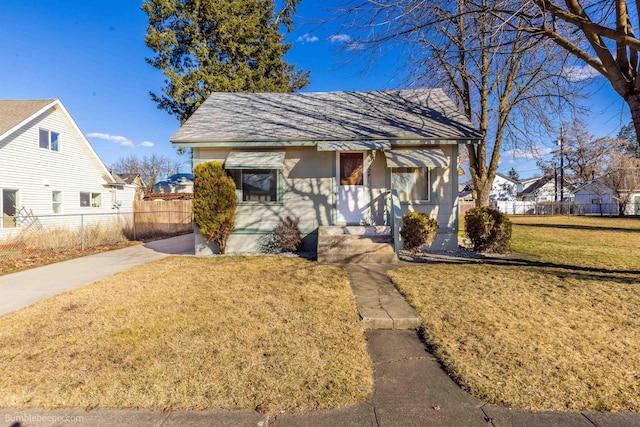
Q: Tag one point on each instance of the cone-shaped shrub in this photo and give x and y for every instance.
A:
(417, 230)
(214, 203)
(489, 230)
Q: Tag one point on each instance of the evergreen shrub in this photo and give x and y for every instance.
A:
(417, 230)
(214, 203)
(489, 230)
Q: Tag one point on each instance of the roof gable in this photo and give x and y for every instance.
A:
(425, 114)
(15, 112)
(27, 110)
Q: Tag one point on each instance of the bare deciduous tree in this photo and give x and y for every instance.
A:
(600, 33)
(623, 175)
(150, 168)
(507, 81)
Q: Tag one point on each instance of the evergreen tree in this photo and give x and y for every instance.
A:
(514, 175)
(628, 135)
(205, 46)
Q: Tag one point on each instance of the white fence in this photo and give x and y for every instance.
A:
(556, 208)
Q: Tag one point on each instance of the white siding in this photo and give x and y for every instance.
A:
(37, 172)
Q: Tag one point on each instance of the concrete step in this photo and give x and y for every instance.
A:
(355, 244)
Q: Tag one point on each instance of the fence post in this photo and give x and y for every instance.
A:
(82, 232)
(169, 224)
(134, 225)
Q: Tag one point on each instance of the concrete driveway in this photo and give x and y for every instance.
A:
(21, 289)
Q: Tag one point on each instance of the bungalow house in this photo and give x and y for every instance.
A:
(595, 197)
(49, 169)
(333, 159)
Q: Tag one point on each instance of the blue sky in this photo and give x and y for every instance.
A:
(90, 55)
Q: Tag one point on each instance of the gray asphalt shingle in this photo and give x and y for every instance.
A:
(326, 116)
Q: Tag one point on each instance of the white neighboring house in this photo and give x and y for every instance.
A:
(49, 168)
(504, 188)
(544, 190)
(595, 197)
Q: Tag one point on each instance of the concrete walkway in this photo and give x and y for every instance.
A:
(411, 388)
(21, 289)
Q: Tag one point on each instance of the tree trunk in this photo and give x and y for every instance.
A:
(483, 190)
(633, 100)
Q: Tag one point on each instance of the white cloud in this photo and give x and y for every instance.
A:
(340, 38)
(147, 144)
(578, 73)
(125, 142)
(531, 153)
(307, 38)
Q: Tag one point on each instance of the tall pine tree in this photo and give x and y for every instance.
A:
(205, 46)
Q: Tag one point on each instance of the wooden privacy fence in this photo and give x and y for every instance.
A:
(153, 218)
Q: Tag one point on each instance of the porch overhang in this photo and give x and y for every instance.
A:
(353, 145)
(416, 158)
(255, 160)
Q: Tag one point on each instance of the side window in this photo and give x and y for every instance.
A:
(256, 185)
(412, 184)
(56, 202)
(49, 140)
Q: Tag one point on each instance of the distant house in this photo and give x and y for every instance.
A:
(596, 197)
(545, 189)
(48, 168)
(135, 180)
(504, 188)
(178, 183)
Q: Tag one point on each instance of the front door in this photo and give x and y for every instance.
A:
(636, 210)
(352, 200)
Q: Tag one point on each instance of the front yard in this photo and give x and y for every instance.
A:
(188, 333)
(558, 331)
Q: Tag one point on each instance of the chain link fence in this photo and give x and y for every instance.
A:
(26, 236)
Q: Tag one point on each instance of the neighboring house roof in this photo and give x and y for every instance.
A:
(515, 181)
(594, 183)
(539, 183)
(424, 114)
(15, 114)
(130, 178)
(178, 179)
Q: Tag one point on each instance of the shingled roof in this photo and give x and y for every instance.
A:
(14, 112)
(424, 114)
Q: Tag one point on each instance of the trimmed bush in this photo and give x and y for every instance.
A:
(214, 203)
(286, 235)
(417, 230)
(489, 230)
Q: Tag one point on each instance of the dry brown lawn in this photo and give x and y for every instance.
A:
(189, 333)
(557, 331)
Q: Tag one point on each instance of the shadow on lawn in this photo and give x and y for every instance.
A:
(563, 271)
(582, 227)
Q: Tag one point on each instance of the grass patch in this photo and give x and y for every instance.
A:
(559, 331)
(190, 333)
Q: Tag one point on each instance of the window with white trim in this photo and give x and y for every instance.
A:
(256, 185)
(9, 206)
(412, 184)
(49, 140)
(56, 202)
(90, 199)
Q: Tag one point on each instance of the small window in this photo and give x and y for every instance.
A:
(96, 200)
(259, 185)
(56, 200)
(90, 199)
(10, 206)
(595, 201)
(412, 184)
(49, 140)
